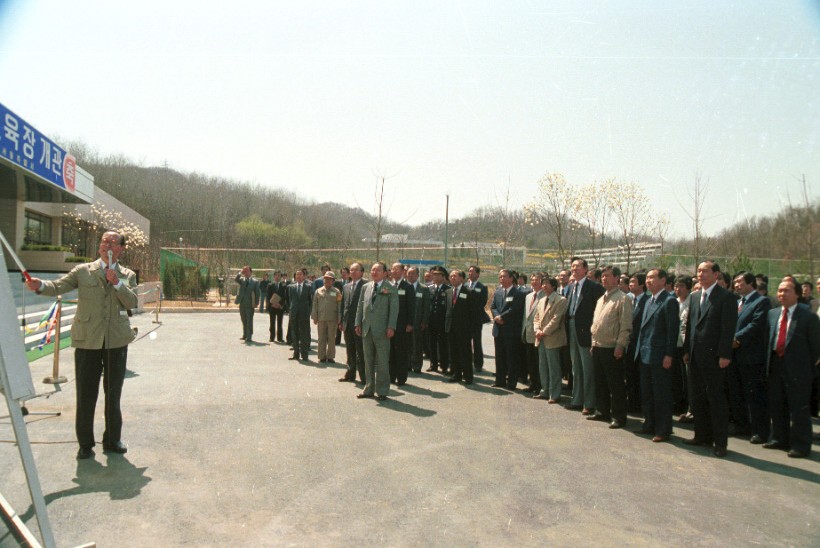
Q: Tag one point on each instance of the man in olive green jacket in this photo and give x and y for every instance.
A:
(100, 335)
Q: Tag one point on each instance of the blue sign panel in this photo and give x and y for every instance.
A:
(26, 147)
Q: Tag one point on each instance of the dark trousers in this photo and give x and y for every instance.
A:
(566, 365)
(417, 349)
(789, 407)
(610, 389)
(632, 375)
(709, 404)
(531, 359)
(246, 313)
(355, 354)
(300, 331)
(400, 356)
(507, 358)
(656, 402)
(89, 366)
(439, 349)
(680, 391)
(748, 398)
(461, 365)
(477, 348)
(275, 329)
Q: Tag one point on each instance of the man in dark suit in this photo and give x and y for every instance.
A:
(747, 385)
(299, 300)
(401, 343)
(420, 319)
(710, 331)
(247, 297)
(481, 317)
(277, 311)
(459, 325)
(656, 347)
(637, 288)
(344, 277)
(439, 351)
(793, 347)
(317, 283)
(582, 294)
(353, 343)
(508, 313)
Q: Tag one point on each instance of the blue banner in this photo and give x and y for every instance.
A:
(26, 147)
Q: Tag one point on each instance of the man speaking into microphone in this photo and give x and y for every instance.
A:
(100, 335)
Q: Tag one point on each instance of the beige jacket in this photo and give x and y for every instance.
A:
(101, 316)
(327, 305)
(549, 317)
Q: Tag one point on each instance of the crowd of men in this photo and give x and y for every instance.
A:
(714, 351)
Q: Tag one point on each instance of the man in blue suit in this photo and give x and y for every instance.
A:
(508, 313)
(710, 330)
(656, 346)
(747, 387)
(793, 347)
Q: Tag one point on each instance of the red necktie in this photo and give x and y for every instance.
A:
(455, 296)
(780, 348)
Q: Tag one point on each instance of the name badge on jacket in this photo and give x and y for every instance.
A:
(509, 299)
(401, 292)
(462, 295)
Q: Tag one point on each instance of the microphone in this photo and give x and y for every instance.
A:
(110, 259)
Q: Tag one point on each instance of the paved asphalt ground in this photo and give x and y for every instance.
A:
(234, 445)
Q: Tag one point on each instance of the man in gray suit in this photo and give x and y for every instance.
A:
(376, 323)
(247, 298)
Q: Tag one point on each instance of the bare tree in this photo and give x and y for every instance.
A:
(662, 225)
(695, 210)
(378, 223)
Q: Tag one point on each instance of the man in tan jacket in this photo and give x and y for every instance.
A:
(550, 336)
(100, 335)
(326, 313)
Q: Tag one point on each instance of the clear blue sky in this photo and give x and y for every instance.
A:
(441, 96)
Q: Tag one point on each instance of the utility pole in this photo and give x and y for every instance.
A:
(446, 227)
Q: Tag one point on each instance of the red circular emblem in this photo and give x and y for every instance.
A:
(70, 172)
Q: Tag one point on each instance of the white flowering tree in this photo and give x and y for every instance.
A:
(594, 207)
(632, 215)
(89, 228)
(554, 207)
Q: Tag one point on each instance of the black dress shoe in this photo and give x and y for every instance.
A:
(615, 424)
(304, 357)
(115, 448)
(499, 385)
(432, 368)
(573, 407)
(345, 379)
(468, 382)
(364, 396)
(720, 452)
(294, 357)
(776, 445)
(795, 454)
(381, 398)
(85, 453)
(401, 383)
(697, 441)
(756, 440)
(330, 361)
